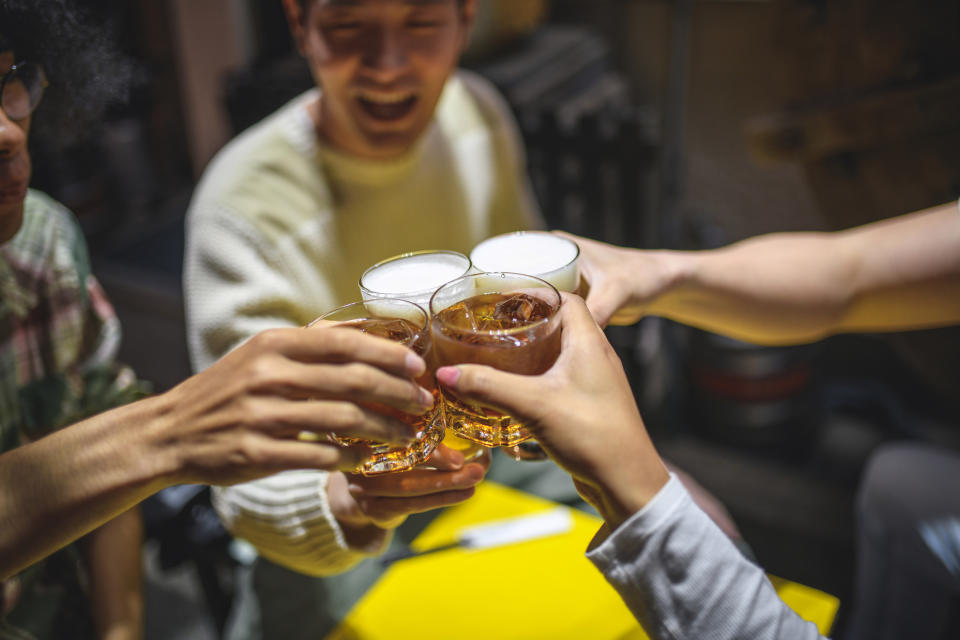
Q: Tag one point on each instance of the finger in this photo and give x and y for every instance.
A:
(323, 343)
(345, 419)
(602, 303)
(509, 393)
(356, 382)
(577, 320)
(415, 483)
(389, 509)
(581, 241)
(444, 458)
(262, 456)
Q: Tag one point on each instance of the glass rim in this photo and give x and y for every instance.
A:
(411, 254)
(534, 232)
(323, 316)
(502, 332)
(24, 69)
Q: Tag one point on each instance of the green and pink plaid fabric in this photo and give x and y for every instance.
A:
(58, 340)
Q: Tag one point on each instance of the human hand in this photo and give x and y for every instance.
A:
(623, 281)
(239, 419)
(385, 500)
(581, 411)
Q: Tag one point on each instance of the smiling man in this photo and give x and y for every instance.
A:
(394, 150)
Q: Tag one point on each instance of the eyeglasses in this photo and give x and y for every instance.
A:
(21, 89)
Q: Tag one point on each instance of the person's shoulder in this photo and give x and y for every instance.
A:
(272, 163)
(45, 219)
(50, 238)
(471, 101)
(281, 141)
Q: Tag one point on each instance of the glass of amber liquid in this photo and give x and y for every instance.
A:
(508, 321)
(404, 322)
(415, 276)
(538, 253)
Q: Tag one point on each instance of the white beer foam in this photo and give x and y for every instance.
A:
(410, 275)
(538, 254)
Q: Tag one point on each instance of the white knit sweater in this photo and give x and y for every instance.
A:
(279, 231)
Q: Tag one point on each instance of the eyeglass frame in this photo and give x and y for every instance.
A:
(9, 74)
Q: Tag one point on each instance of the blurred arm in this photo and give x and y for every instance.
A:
(80, 477)
(113, 554)
(896, 274)
(902, 273)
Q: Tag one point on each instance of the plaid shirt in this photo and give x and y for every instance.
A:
(58, 340)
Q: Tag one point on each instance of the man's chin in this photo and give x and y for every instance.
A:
(384, 146)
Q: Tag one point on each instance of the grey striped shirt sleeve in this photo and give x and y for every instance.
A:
(683, 579)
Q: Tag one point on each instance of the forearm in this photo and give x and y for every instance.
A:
(682, 578)
(774, 289)
(896, 274)
(113, 553)
(63, 486)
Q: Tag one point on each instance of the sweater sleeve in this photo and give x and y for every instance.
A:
(237, 284)
(683, 579)
(287, 518)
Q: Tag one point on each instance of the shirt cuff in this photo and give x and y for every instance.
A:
(627, 539)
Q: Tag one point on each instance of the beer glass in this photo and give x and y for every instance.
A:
(414, 276)
(407, 323)
(538, 253)
(508, 321)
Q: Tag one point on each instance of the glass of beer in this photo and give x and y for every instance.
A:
(537, 253)
(414, 276)
(407, 323)
(508, 321)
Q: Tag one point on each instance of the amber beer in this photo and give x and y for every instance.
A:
(508, 321)
(404, 322)
(414, 276)
(537, 253)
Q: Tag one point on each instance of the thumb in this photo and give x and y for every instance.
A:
(508, 392)
(603, 302)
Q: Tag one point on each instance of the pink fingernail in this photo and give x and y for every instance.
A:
(448, 376)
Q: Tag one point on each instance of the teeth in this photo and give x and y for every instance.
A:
(386, 98)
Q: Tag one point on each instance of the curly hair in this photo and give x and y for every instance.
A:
(85, 71)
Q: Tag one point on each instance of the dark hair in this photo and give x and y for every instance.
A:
(85, 71)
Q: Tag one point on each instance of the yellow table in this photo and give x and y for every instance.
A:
(542, 588)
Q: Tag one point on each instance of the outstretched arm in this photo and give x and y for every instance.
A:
(236, 421)
(678, 573)
(896, 274)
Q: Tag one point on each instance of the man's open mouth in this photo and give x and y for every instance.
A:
(387, 106)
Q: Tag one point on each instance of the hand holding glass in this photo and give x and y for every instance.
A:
(406, 323)
(508, 321)
(538, 253)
